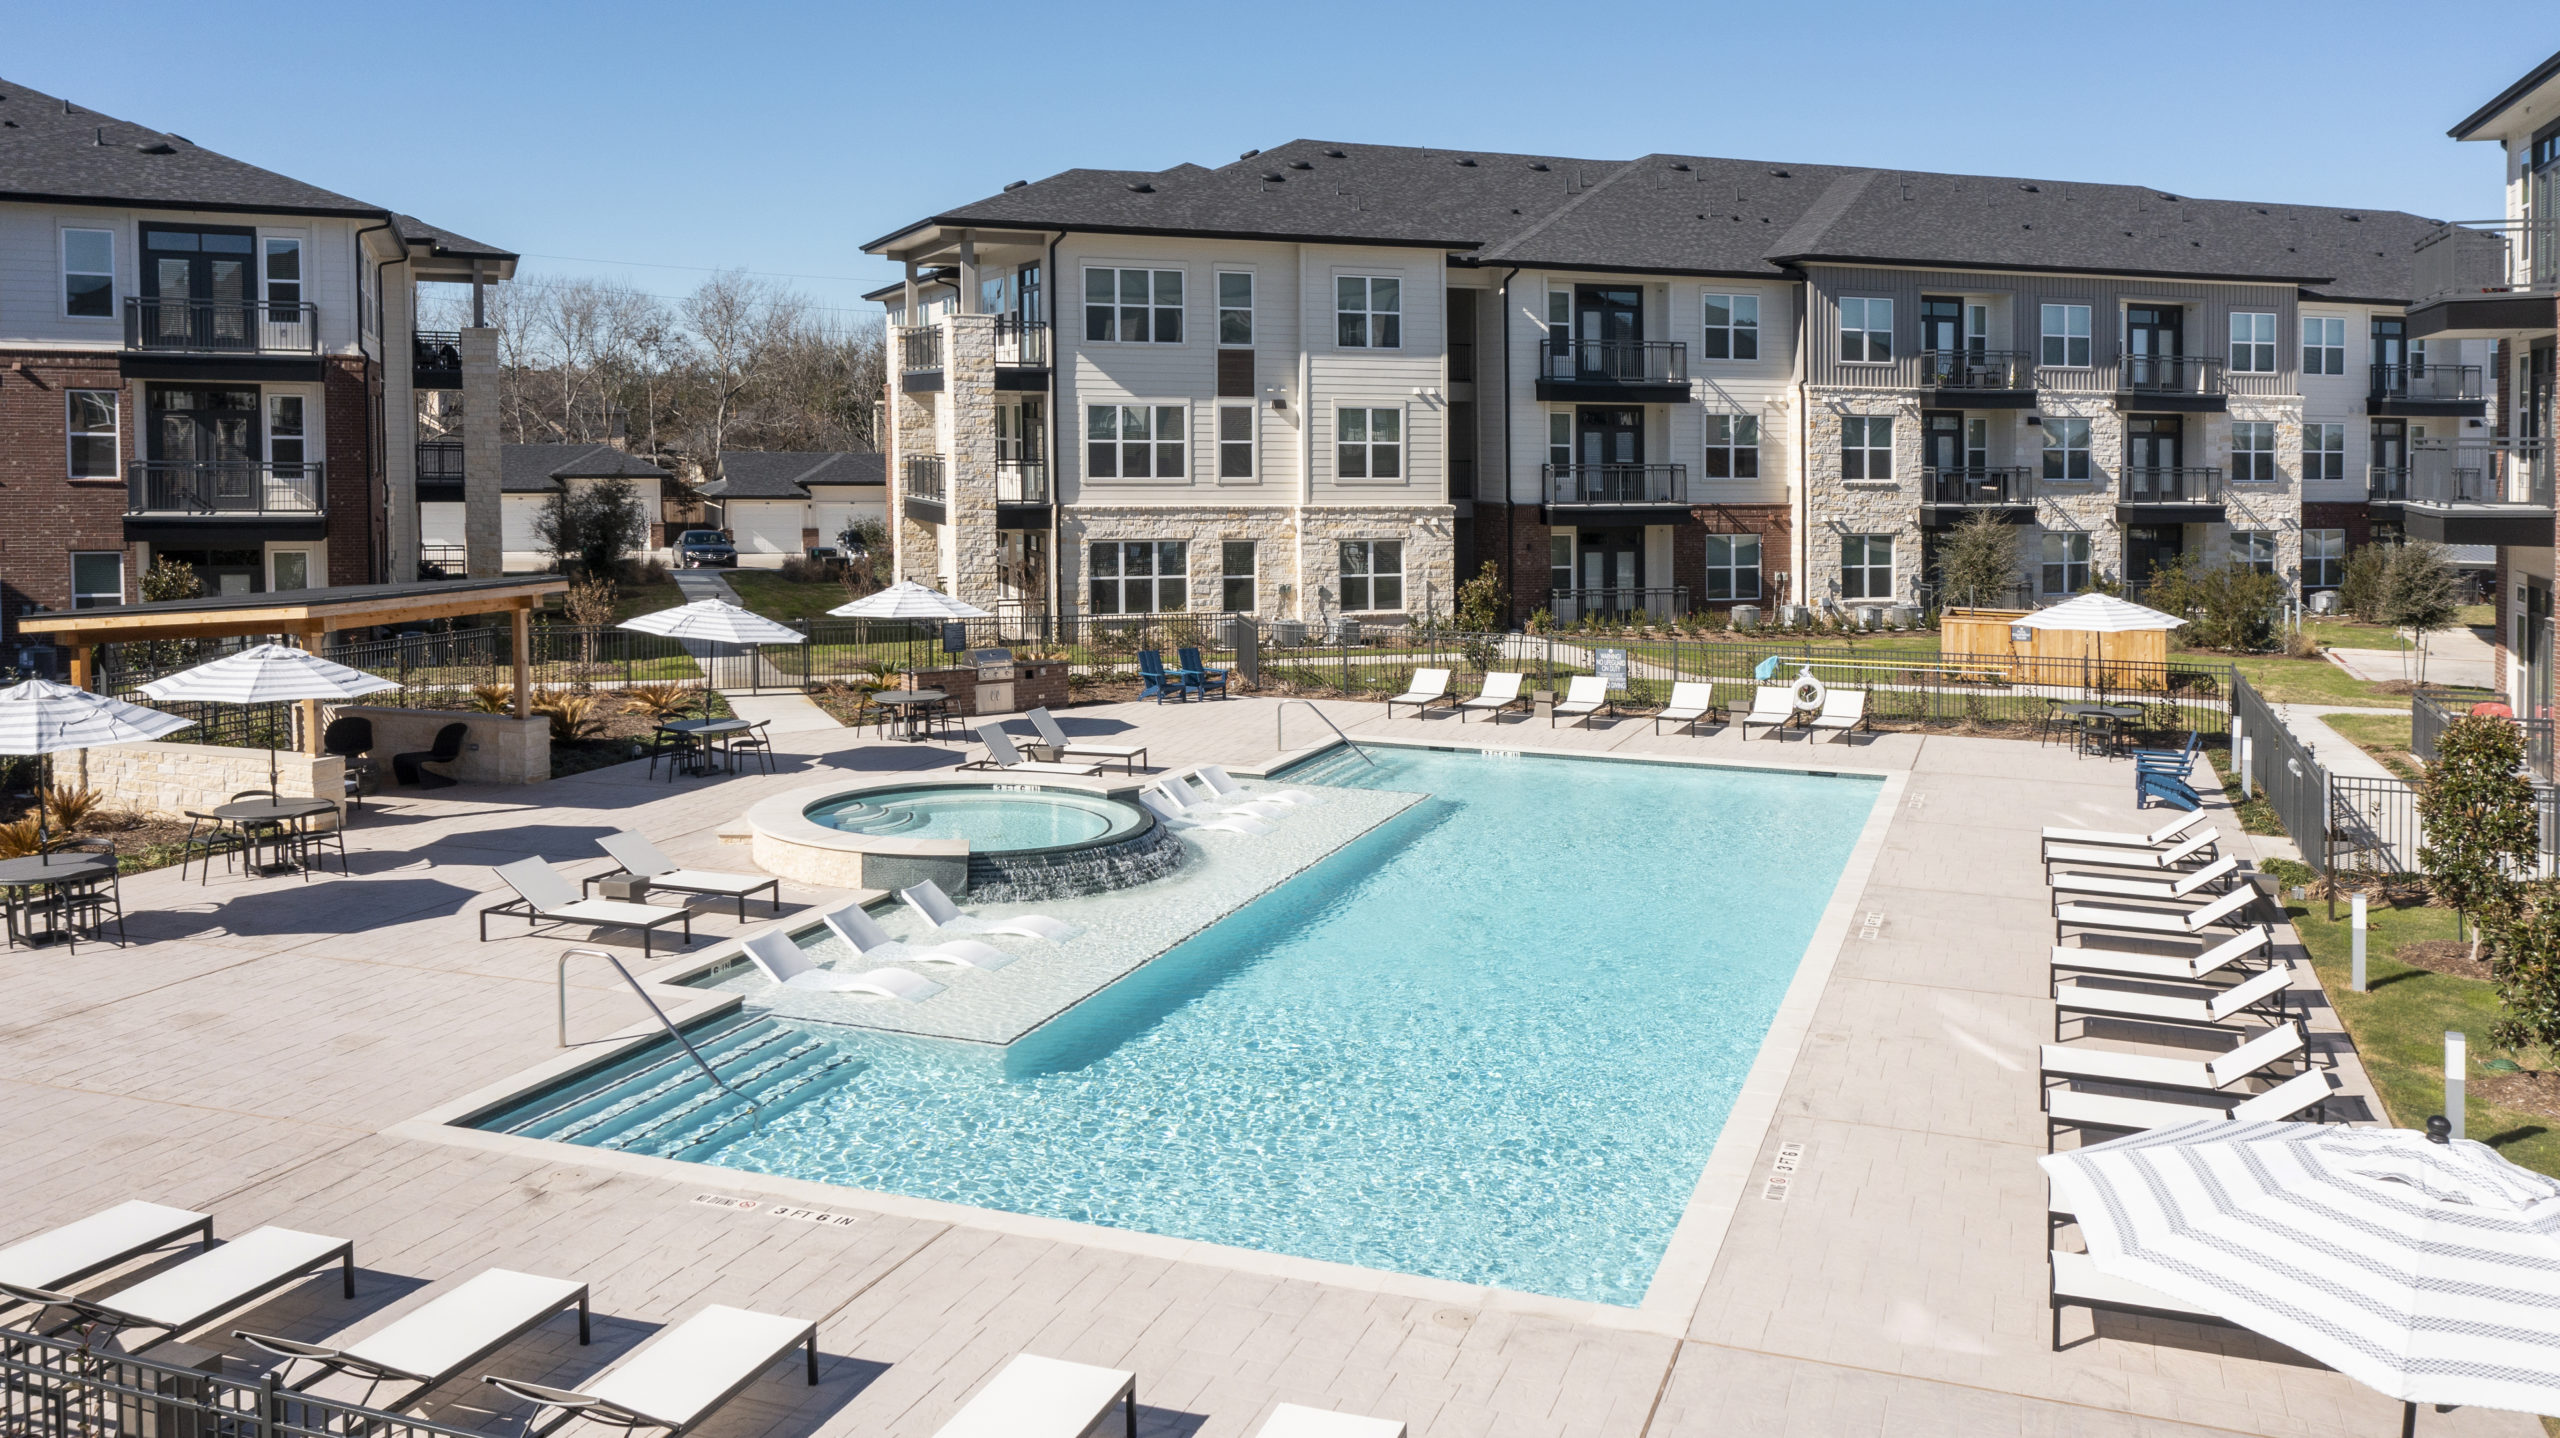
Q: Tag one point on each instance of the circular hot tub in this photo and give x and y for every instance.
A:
(993, 821)
(1019, 842)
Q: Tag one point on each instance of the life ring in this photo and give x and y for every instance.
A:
(1809, 691)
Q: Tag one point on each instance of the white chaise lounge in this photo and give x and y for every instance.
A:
(59, 1257)
(2076, 1108)
(2077, 1283)
(1171, 812)
(1843, 711)
(680, 1378)
(2250, 1056)
(637, 855)
(1002, 755)
(1501, 691)
(936, 908)
(1691, 701)
(1129, 756)
(2193, 849)
(543, 896)
(853, 923)
(1429, 687)
(2198, 883)
(1773, 706)
(790, 966)
(2257, 941)
(1036, 1397)
(1205, 801)
(2210, 1009)
(207, 1286)
(2230, 909)
(1585, 696)
(1224, 785)
(430, 1346)
(2159, 838)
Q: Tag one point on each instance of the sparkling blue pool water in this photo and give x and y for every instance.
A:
(1493, 1041)
(992, 820)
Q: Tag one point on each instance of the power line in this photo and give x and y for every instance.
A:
(705, 269)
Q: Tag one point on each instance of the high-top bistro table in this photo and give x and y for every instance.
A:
(701, 733)
(275, 824)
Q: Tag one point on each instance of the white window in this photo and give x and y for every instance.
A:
(292, 569)
(1235, 308)
(1866, 330)
(2066, 337)
(1368, 443)
(1372, 575)
(2324, 452)
(2066, 563)
(91, 424)
(1139, 576)
(1133, 307)
(2066, 448)
(1733, 447)
(2324, 558)
(97, 579)
(2253, 451)
(2253, 343)
(1733, 327)
(1133, 441)
(2254, 550)
(1236, 565)
(1866, 566)
(1733, 566)
(2324, 345)
(1235, 441)
(1866, 446)
(284, 281)
(89, 276)
(1368, 312)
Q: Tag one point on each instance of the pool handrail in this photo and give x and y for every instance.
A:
(1283, 709)
(663, 1021)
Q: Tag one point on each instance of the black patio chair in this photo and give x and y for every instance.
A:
(405, 768)
(95, 901)
(350, 737)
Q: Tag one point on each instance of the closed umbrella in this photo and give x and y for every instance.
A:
(40, 717)
(715, 621)
(268, 674)
(2428, 1271)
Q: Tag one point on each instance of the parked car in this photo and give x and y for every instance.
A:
(705, 548)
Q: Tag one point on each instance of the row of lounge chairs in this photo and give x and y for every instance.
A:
(1209, 798)
(780, 958)
(669, 1385)
(543, 895)
(1692, 702)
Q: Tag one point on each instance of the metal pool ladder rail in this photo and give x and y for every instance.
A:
(663, 1021)
(1278, 713)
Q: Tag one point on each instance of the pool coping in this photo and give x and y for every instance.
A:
(1680, 1276)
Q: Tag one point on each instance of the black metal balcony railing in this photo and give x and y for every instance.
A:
(2169, 374)
(1462, 361)
(1568, 605)
(1020, 481)
(1020, 343)
(924, 477)
(1990, 485)
(2386, 483)
(1995, 370)
(435, 359)
(223, 486)
(2481, 471)
(2186, 484)
(2455, 382)
(1617, 484)
(1614, 361)
(167, 325)
(920, 348)
(439, 461)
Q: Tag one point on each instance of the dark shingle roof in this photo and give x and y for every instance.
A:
(786, 474)
(539, 468)
(445, 242)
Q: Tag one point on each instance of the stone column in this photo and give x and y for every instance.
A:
(481, 534)
(969, 436)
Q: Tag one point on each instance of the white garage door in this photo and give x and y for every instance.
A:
(771, 527)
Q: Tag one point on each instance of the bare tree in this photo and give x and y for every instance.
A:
(737, 323)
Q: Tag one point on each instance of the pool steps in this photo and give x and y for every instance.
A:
(664, 1108)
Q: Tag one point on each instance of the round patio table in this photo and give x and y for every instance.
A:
(703, 731)
(34, 883)
(2114, 715)
(272, 822)
(912, 708)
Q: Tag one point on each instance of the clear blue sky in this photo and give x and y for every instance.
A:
(640, 139)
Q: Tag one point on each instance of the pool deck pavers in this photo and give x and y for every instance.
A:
(254, 1054)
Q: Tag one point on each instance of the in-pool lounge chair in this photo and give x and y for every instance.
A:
(1691, 701)
(1291, 1421)
(431, 1345)
(1172, 814)
(1203, 802)
(2231, 910)
(679, 1379)
(1843, 711)
(544, 897)
(215, 1282)
(1501, 691)
(2212, 879)
(790, 966)
(2252, 1055)
(1429, 687)
(1224, 786)
(59, 1257)
(2159, 838)
(1036, 1397)
(853, 923)
(1773, 707)
(935, 908)
(1587, 695)
(1128, 756)
(2189, 852)
(1002, 755)
(2077, 1108)
(637, 855)
(2259, 997)
(2255, 942)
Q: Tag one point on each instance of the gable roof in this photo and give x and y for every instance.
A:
(2533, 78)
(541, 468)
(787, 474)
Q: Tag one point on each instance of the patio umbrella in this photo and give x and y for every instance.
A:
(2099, 614)
(907, 599)
(268, 674)
(714, 621)
(42, 717)
(2428, 1271)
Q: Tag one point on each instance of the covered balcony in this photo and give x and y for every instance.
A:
(2184, 494)
(2186, 383)
(1950, 496)
(2490, 279)
(2480, 491)
(435, 359)
(921, 487)
(2427, 389)
(1976, 379)
(1631, 371)
(168, 337)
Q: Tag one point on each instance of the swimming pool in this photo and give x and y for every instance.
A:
(991, 820)
(1493, 1041)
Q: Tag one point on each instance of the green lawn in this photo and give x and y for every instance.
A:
(2348, 634)
(2384, 736)
(771, 595)
(2312, 681)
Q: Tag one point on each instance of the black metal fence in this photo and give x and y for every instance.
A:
(55, 1388)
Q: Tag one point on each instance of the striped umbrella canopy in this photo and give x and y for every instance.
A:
(2428, 1271)
(2099, 614)
(39, 716)
(716, 621)
(907, 599)
(268, 674)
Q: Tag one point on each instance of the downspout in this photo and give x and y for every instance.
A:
(1050, 281)
(1509, 538)
(1802, 502)
(377, 423)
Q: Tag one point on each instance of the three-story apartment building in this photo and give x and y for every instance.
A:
(1329, 380)
(204, 360)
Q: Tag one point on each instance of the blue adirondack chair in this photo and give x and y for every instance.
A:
(2169, 789)
(1157, 684)
(1196, 675)
(2178, 762)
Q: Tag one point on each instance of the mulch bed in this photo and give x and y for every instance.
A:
(2443, 956)
(2535, 1092)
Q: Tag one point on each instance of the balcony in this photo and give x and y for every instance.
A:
(2386, 483)
(2426, 389)
(2186, 494)
(435, 359)
(167, 338)
(1022, 353)
(1022, 494)
(1976, 379)
(1590, 490)
(2480, 491)
(440, 471)
(196, 493)
(919, 358)
(2486, 280)
(1628, 371)
(2187, 383)
(1950, 496)
(922, 487)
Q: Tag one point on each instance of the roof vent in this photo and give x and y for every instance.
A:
(158, 147)
(2355, 219)
(1463, 160)
(1333, 154)
(2195, 244)
(1275, 177)
(1249, 154)
(2172, 199)
(2030, 189)
(1684, 169)
(99, 137)
(1538, 165)
(1142, 188)
(1781, 174)
(1300, 165)
(2026, 227)
(1013, 185)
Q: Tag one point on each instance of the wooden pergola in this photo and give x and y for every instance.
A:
(310, 615)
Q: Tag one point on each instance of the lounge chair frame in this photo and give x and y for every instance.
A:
(669, 878)
(535, 917)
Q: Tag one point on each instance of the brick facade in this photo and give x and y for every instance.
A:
(2355, 519)
(49, 513)
(1774, 523)
(350, 394)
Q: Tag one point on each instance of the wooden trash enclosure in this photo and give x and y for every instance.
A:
(1982, 642)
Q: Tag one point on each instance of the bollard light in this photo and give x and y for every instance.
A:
(2355, 975)
(2454, 1047)
(2247, 749)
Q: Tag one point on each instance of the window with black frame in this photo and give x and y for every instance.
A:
(1236, 573)
(1372, 575)
(1866, 566)
(1138, 576)
(1733, 566)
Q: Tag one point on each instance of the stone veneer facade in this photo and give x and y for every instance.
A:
(165, 781)
(1295, 547)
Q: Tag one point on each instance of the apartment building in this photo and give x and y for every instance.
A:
(1328, 380)
(2495, 284)
(204, 360)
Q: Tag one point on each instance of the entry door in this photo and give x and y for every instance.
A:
(1941, 339)
(1612, 569)
(2154, 338)
(1942, 450)
(2389, 476)
(206, 283)
(1026, 294)
(2152, 447)
(1611, 461)
(2149, 546)
(2390, 350)
(1608, 324)
(207, 440)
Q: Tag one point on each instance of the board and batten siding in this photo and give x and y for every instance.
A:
(31, 270)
